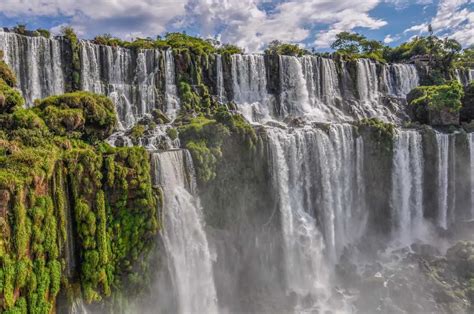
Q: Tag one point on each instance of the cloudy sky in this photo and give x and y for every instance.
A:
(249, 23)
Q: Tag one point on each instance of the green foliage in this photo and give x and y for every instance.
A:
(69, 33)
(43, 32)
(382, 132)
(229, 49)
(276, 47)
(465, 59)
(95, 114)
(137, 131)
(172, 133)
(10, 99)
(7, 75)
(439, 97)
(354, 45)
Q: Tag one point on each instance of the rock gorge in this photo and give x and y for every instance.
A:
(306, 188)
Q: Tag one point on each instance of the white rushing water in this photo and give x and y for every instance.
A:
(172, 99)
(319, 182)
(132, 80)
(221, 95)
(250, 87)
(318, 178)
(471, 157)
(37, 64)
(313, 87)
(446, 178)
(183, 233)
(407, 185)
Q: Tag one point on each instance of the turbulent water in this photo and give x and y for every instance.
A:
(407, 177)
(37, 63)
(318, 180)
(184, 237)
(319, 173)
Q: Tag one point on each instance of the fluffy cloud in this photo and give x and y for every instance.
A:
(120, 17)
(454, 18)
(248, 24)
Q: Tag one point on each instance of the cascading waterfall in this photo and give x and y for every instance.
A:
(321, 175)
(250, 87)
(294, 96)
(407, 182)
(446, 160)
(130, 79)
(172, 99)
(36, 62)
(471, 157)
(400, 79)
(183, 234)
(318, 178)
(220, 79)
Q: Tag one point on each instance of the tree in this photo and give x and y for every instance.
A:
(348, 43)
(277, 47)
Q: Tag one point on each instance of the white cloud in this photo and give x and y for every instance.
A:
(120, 17)
(388, 39)
(247, 24)
(454, 18)
(243, 22)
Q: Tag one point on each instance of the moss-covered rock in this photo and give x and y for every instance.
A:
(10, 98)
(94, 115)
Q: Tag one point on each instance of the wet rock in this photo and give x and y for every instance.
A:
(426, 251)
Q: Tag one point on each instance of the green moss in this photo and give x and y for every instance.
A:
(71, 111)
(438, 97)
(10, 99)
(7, 75)
(172, 133)
(381, 132)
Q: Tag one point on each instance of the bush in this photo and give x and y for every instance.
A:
(10, 99)
(6, 74)
(438, 97)
(98, 114)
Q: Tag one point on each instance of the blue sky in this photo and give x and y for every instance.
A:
(249, 23)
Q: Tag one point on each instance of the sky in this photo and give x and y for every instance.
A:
(250, 24)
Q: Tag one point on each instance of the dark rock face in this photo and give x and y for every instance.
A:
(422, 281)
(467, 110)
(443, 117)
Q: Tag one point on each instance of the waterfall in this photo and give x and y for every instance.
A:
(250, 87)
(446, 178)
(319, 176)
(294, 94)
(407, 185)
(367, 82)
(400, 79)
(130, 79)
(172, 99)
(37, 64)
(471, 157)
(183, 234)
(220, 79)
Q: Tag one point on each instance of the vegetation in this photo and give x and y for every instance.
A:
(276, 47)
(46, 172)
(354, 45)
(438, 97)
(382, 132)
(94, 115)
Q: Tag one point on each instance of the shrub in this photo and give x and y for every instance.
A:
(98, 114)
(10, 99)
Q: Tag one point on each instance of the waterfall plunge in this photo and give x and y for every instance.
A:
(36, 62)
(446, 178)
(185, 241)
(407, 181)
(318, 179)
